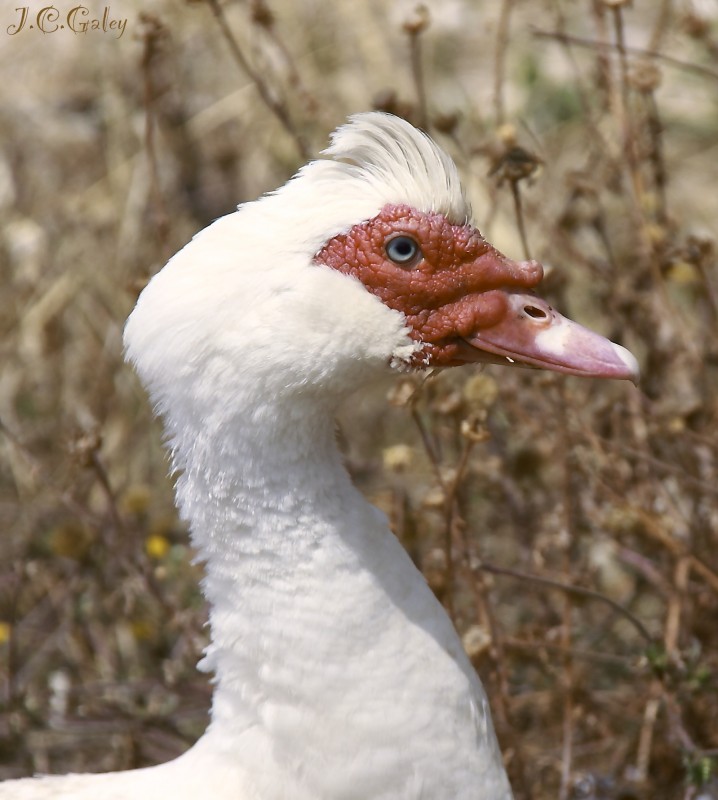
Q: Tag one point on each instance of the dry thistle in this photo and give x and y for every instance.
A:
(434, 499)
(388, 100)
(418, 21)
(645, 77)
(434, 569)
(695, 25)
(398, 457)
(480, 392)
(476, 641)
(474, 429)
(514, 164)
(135, 500)
(84, 448)
(449, 403)
(261, 14)
(403, 391)
(446, 122)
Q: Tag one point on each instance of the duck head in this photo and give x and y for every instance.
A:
(364, 263)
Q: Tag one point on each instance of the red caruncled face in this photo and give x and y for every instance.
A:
(463, 300)
(443, 285)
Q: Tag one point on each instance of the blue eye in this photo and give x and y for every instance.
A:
(402, 250)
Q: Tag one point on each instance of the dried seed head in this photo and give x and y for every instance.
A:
(71, 540)
(388, 100)
(262, 14)
(434, 569)
(515, 164)
(474, 429)
(136, 499)
(434, 498)
(683, 273)
(449, 404)
(480, 392)
(656, 233)
(506, 134)
(446, 123)
(696, 26)
(397, 457)
(476, 641)
(418, 22)
(84, 447)
(402, 392)
(645, 77)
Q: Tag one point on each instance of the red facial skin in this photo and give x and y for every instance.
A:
(450, 292)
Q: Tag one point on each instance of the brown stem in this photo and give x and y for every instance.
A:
(152, 35)
(518, 209)
(417, 71)
(502, 39)
(594, 45)
(564, 587)
(277, 108)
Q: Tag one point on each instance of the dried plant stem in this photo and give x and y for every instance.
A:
(531, 647)
(500, 53)
(564, 587)
(567, 723)
(429, 446)
(569, 503)
(417, 72)
(681, 573)
(152, 35)
(710, 292)
(592, 127)
(453, 523)
(579, 41)
(655, 156)
(501, 698)
(623, 109)
(449, 501)
(663, 20)
(308, 99)
(518, 210)
(101, 473)
(656, 531)
(657, 463)
(645, 740)
(277, 108)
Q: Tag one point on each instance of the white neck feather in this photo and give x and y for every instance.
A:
(323, 631)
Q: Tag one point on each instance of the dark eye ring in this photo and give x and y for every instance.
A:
(403, 250)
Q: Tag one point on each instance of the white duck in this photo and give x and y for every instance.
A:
(338, 675)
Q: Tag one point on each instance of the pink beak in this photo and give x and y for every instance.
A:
(533, 334)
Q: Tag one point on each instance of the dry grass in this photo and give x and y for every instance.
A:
(570, 526)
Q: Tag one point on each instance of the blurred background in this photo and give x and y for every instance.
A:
(569, 526)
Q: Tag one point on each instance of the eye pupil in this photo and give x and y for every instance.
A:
(402, 249)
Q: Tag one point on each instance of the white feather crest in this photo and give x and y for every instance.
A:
(385, 149)
(373, 160)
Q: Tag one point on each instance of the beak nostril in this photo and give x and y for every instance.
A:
(536, 313)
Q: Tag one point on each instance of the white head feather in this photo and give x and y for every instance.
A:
(376, 159)
(244, 300)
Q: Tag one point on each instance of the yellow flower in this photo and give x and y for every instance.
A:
(5, 631)
(157, 546)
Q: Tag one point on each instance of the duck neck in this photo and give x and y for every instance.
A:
(322, 630)
(275, 518)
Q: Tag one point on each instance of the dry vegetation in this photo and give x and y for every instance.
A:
(571, 527)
